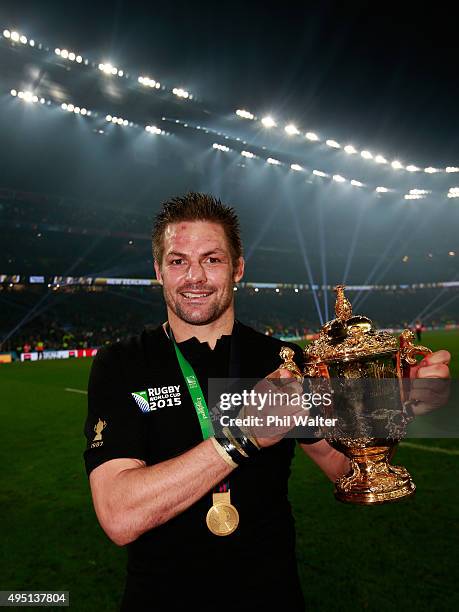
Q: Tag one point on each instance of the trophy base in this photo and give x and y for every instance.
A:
(373, 480)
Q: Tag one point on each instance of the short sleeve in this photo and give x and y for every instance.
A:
(114, 428)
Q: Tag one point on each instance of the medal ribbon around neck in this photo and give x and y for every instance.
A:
(222, 518)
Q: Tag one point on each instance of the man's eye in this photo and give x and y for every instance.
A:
(213, 260)
(176, 262)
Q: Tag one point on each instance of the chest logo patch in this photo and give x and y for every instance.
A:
(158, 397)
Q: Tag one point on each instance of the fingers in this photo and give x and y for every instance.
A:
(438, 370)
(437, 357)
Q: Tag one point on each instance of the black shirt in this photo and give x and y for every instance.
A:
(130, 378)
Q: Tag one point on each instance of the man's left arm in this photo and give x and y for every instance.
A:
(333, 463)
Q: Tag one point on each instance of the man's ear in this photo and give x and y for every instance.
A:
(158, 272)
(239, 270)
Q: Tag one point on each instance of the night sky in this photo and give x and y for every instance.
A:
(383, 75)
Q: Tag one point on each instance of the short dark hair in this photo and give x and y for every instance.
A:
(197, 207)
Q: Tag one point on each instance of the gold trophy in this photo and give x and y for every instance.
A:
(356, 361)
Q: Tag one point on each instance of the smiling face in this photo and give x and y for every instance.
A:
(197, 272)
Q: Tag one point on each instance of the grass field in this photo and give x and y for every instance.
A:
(388, 557)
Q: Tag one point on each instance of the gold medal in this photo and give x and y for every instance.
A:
(222, 518)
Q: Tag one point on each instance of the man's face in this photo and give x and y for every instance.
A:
(197, 272)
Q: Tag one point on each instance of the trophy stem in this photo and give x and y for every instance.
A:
(372, 479)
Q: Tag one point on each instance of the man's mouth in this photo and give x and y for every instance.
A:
(196, 295)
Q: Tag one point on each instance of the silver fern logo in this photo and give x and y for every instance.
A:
(141, 397)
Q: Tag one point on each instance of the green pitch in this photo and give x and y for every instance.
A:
(397, 556)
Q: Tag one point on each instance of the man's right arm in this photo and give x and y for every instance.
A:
(131, 498)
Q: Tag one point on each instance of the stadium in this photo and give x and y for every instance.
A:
(97, 131)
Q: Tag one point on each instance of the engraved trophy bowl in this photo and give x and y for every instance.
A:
(364, 370)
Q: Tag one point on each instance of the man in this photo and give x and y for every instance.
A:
(155, 475)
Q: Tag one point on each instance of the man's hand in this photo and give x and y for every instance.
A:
(426, 394)
(434, 365)
(287, 388)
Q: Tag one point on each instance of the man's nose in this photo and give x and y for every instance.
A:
(196, 272)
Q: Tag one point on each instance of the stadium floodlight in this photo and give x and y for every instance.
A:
(338, 178)
(83, 111)
(396, 165)
(382, 189)
(296, 167)
(15, 36)
(23, 39)
(451, 253)
(319, 173)
(57, 51)
(431, 170)
(413, 196)
(180, 93)
(419, 191)
(366, 154)
(380, 159)
(296, 290)
(248, 154)
(453, 192)
(14, 92)
(291, 129)
(312, 136)
(273, 162)
(144, 80)
(412, 168)
(244, 114)
(78, 59)
(256, 289)
(72, 56)
(64, 53)
(153, 129)
(6, 33)
(350, 149)
(268, 122)
(108, 118)
(333, 144)
(356, 183)
(451, 169)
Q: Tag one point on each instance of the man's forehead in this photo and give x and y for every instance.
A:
(190, 235)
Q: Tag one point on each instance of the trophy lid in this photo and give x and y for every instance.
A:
(348, 337)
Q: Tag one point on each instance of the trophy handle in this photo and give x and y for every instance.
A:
(406, 356)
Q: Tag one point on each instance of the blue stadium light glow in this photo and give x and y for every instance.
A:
(396, 165)
(453, 192)
(366, 154)
(350, 150)
(248, 154)
(152, 129)
(356, 183)
(380, 159)
(333, 144)
(412, 168)
(273, 162)
(118, 121)
(382, 189)
(338, 178)
(431, 170)
(419, 191)
(296, 167)
(452, 169)
(319, 173)
(312, 136)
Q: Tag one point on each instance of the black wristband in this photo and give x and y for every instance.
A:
(231, 449)
(247, 445)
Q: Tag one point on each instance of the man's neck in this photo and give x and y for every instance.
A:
(209, 333)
